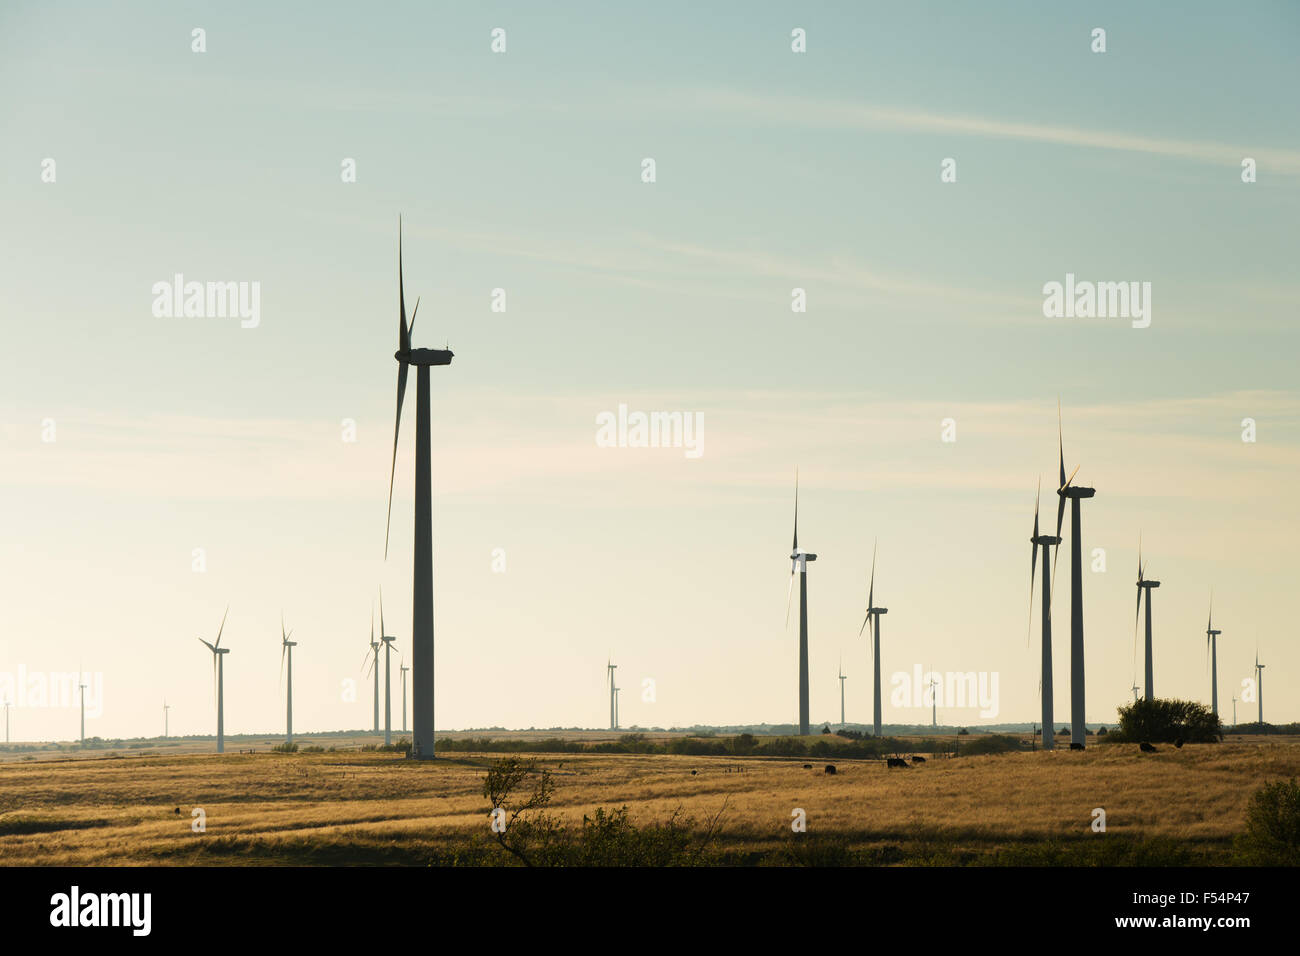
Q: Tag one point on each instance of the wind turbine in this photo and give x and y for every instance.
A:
(6, 720)
(1234, 714)
(616, 690)
(799, 565)
(1259, 688)
(219, 676)
(372, 656)
(1045, 541)
(82, 676)
(1135, 690)
(422, 743)
(934, 702)
(1074, 494)
(1145, 584)
(402, 669)
(165, 715)
(286, 647)
(610, 667)
(843, 678)
(873, 618)
(387, 640)
(1212, 645)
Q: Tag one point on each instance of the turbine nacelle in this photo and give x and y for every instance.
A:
(425, 356)
(1075, 491)
(1213, 633)
(1147, 583)
(1049, 539)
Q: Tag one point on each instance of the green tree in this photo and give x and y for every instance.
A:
(1272, 836)
(1168, 721)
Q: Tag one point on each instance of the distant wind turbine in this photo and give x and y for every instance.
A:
(1135, 690)
(934, 701)
(6, 720)
(82, 677)
(402, 669)
(165, 715)
(387, 640)
(422, 740)
(610, 667)
(1074, 494)
(1259, 687)
(372, 656)
(1145, 584)
(286, 648)
(843, 678)
(1234, 710)
(219, 679)
(616, 690)
(1212, 645)
(873, 618)
(799, 565)
(1045, 541)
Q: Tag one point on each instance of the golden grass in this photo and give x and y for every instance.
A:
(376, 808)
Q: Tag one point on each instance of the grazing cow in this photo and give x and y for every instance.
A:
(830, 768)
(916, 759)
(178, 811)
(1179, 743)
(694, 772)
(1076, 746)
(807, 766)
(896, 762)
(1147, 748)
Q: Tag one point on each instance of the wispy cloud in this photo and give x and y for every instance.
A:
(840, 114)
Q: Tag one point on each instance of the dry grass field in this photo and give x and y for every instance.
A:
(372, 808)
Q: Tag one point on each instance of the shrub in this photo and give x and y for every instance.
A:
(285, 748)
(1167, 721)
(993, 744)
(1272, 836)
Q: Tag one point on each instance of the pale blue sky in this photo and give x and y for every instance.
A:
(521, 171)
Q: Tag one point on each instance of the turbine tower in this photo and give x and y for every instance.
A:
(165, 715)
(401, 670)
(219, 677)
(1212, 645)
(422, 743)
(843, 678)
(799, 565)
(286, 647)
(616, 690)
(1259, 688)
(1044, 541)
(1145, 584)
(610, 667)
(1074, 494)
(934, 702)
(1234, 714)
(6, 720)
(1135, 690)
(873, 618)
(387, 640)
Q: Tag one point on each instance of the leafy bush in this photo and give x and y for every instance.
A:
(1166, 721)
(285, 748)
(1272, 836)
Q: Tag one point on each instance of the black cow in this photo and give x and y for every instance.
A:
(1147, 748)
(1179, 743)
(807, 766)
(916, 759)
(896, 762)
(830, 768)
(1076, 746)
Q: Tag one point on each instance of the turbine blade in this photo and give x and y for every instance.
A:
(871, 590)
(223, 625)
(1033, 562)
(410, 329)
(789, 595)
(403, 332)
(397, 428)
